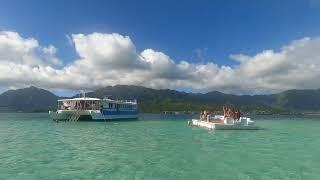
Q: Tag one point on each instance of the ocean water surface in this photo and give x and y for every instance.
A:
(157, 147)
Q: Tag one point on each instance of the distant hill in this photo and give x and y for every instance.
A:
(152, 100)
(34, 99)
(301, 100)
(30, 99)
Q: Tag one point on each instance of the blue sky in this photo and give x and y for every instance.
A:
(195, 31)
(178, 28)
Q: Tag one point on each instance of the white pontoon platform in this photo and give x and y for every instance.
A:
(226, 124)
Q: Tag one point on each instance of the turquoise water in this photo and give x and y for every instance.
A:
(157, 147)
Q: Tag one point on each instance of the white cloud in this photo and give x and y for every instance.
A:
(111, 50)
(110, 59)
(49, 50)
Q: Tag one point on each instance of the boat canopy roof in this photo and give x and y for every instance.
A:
(81, 99)
(97, 99)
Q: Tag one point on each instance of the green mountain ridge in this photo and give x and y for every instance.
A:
(31, 99)
(34, 99)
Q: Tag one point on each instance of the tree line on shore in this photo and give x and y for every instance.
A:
(35, 99)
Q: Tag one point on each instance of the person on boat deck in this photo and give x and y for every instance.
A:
(208, 117)
(205, 116)
(229, 112)
(224, 111)
(234, 114)
(237, 115)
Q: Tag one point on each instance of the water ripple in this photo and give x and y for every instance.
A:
(33, 147)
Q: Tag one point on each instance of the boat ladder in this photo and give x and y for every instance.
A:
(74, 116)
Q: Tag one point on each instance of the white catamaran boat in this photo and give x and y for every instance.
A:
(94, 109)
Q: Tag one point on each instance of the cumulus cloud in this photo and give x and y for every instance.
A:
(110, 59)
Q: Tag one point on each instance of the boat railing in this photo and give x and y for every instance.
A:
(122, 101)
(74, 109)
(130, 101)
